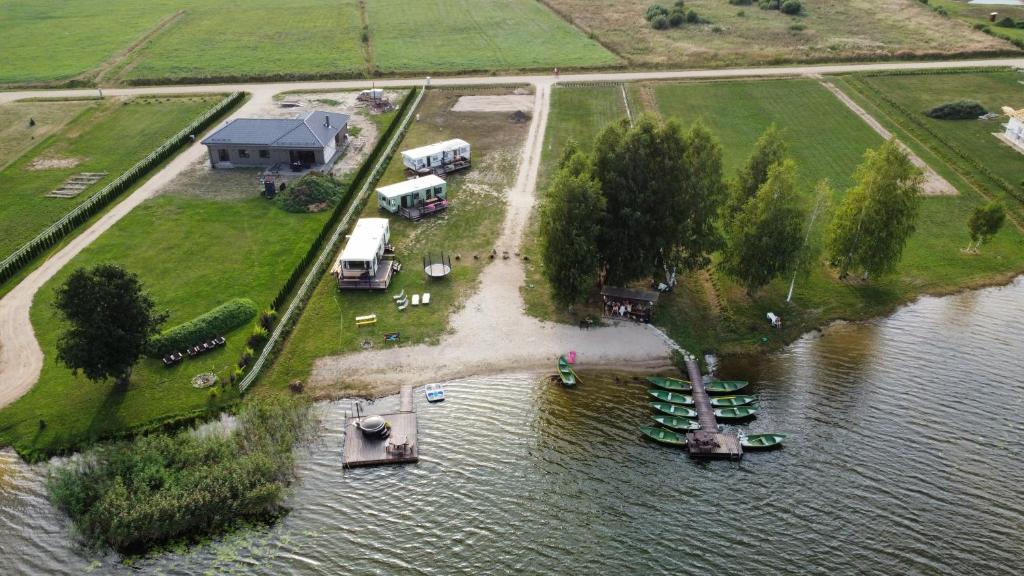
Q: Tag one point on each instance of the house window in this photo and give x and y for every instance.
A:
(438, 190)
(242, 153)
(222, 154)
(264, 153)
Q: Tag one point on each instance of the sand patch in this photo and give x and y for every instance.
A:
(53, 163)
(504, 103)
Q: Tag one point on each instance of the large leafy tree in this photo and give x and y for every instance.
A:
(769, 150)
(878, 215)
(111, 319)
(570, 225)
(984, 223)
(702, 193)
(766, 235)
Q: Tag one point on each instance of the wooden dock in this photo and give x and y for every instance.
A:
(401, 447)
(708, 442)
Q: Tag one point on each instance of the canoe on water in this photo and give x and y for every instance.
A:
(664, 436)
(674, 409)
(762, 441)
(676, 422)
(735, 412)
(724, 386)
(566, 373)
(673, 397)
(673, 384)
(727, 401)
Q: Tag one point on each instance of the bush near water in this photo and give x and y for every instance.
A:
(216, 322)
(311, 193)
(134, 495)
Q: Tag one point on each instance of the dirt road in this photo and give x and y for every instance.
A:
(491, 319)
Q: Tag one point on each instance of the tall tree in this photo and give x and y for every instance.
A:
(769, 150)
(111, 319)
(702, 193)
(878, 215)
(570, 224)
(766, 235)
(984, 223)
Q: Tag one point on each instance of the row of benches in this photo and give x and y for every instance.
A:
(193, 351)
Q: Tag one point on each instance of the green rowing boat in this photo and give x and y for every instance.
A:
(673, 397)
(664, 436)
(724, 386)
(673, 384)
(676, 423)
(726, 401)
(674, 409)
(735, 412)
(761, 441)
(566, 373)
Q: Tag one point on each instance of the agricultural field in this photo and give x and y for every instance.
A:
(826, 30)
(827, 141)
(445, 36)
(979, 15)
(468, 229)
(209, 237)
(101, 136)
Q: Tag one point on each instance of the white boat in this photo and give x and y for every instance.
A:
(434, 392)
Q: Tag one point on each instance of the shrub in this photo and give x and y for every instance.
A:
(659, 23)
(259, 336)
(676, 19)
(692, 17)
(941, 11)
(267, 318)
(791, 7)
(741, 13)
(212, 324)
(798, 27)
(1007, 22)
(716, 29)
(962, 110)
(654, 11)
(741, 2)
(312, 192)
(679, 4)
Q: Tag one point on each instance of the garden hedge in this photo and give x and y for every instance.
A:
(216, 322)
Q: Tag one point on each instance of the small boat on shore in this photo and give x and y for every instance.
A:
(674, 409)
(761, 441)
(736, 412)
(673, 397)
(727, 401)
(566, 373)
(434, 392)
(664, 436)
(724, 386)
(672, 384)
(676, 422)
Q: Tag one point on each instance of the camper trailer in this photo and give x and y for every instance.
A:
(414, 198)
(439, 158)
(373, 95)
(363, 263)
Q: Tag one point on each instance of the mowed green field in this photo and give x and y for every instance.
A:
(105, 136)
(827, 141)
(469, 227)
(193, 254)
(444, 35)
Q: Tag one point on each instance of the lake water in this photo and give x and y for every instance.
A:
(904, 457)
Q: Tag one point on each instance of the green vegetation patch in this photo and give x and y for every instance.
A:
(960, 110)
(216, 322)
(24, 124)
(108, 136)
(311, 193)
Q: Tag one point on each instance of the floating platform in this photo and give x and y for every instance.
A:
(708, 442)
(400, 447)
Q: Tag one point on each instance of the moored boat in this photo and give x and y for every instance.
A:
(676, 422)
(726, 401)
(434, 392)
(673, 397)
(735, 412)
(724, 386)
(673, 384)
(566, 373)
(664, 435)
(761, 441)
(674, 409)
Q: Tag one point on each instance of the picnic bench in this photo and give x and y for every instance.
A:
(366, 320)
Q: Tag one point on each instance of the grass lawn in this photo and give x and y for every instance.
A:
(443, 35)
(468, 228)
(17, 136)
(827, 141)
(917, 94)
(106, 136)
(745, 35)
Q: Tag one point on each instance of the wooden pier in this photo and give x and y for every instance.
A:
(708, 442)
(401, 447)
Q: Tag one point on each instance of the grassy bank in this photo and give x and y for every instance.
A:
(827, 141)
(468, 228)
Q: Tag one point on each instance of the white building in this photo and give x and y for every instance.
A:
(362, 263)
(1015, 126)
(439, 155)
(411, 193)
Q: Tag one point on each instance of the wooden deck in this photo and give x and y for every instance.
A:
(708, 442)
(401, 447)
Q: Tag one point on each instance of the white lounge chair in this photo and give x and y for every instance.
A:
(415, 299)
(403, 306)
(426, 298)
(403, 302)
(400, 297)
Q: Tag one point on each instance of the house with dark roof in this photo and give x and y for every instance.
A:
(316, 139)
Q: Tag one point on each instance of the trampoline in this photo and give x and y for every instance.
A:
(439, 268)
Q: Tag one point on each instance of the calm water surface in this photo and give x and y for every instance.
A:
(904, 458)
